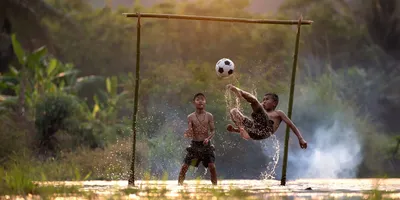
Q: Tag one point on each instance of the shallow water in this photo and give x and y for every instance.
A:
(255, 189)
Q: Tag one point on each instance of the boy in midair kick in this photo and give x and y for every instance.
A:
(201, 130)
(265, 119)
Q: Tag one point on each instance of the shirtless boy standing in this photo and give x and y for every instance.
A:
(265, 119)
(201, 130)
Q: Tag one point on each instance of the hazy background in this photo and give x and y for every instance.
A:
(70, 103)
(257, 6)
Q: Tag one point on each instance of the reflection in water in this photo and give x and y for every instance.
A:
(260, 189)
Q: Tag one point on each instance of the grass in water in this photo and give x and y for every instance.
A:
(17, 181)
(376, 193)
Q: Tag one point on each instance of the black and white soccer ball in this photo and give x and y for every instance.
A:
(224, 67)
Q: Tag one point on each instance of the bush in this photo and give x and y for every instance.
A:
(52, 114)
(65, 115)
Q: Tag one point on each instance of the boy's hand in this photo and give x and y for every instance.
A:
(188, 133)
(303, 143)
(206, 141)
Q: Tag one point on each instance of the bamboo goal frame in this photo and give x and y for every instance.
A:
(298, 22)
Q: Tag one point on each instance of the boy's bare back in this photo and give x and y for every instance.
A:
(200, 124)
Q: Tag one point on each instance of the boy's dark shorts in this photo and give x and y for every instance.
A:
(198, 152)
(261, 127)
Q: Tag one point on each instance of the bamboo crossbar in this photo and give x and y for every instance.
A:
(220, 19)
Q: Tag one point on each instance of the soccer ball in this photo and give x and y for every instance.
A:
(224, 67)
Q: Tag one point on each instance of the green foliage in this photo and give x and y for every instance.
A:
(103, 37)
(63, 114)
(394, 149)
(104, 120)
(46, 75)
(110, 102)
(183, 40)
(19, 180)
(52, 113)
(49, 96)
(19, 52)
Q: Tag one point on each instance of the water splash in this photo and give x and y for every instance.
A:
(268, 150)
(228, 103)
(232, 101)
(115, 160)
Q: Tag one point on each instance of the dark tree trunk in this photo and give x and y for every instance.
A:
(6, 49)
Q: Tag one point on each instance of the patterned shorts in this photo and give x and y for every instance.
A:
(198, 152)
(261, 127)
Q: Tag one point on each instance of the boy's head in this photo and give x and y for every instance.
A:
(270, 101)
(199, 100)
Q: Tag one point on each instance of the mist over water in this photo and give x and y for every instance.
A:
(334, 151)
(168, 145)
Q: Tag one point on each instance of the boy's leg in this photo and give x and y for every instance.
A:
(255, 104)
(245, 135)
(208, 159)
(236, 116)
(191, 158)
(213, 172)
(182, 173)
(239, 119)
(230, 127)
(241, 131)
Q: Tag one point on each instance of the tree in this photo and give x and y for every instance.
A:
(24, 17)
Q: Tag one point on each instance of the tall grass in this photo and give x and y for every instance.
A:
(19, 180)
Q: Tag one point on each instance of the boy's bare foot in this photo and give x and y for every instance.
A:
(230, 128)
(244, 133)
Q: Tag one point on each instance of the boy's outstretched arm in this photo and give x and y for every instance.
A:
(212, 129)
(303, 143)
